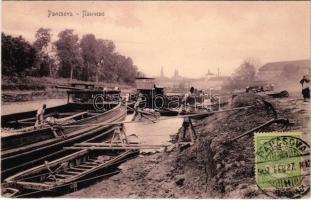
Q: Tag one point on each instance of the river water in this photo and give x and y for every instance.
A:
(9, 108)
(148, 133)
(154, 133)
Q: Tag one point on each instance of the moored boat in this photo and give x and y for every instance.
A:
(167, 112)
(76, 121)
(72, 168)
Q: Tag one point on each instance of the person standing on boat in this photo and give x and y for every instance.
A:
(188, 101)
(305, 83)
(40, 114)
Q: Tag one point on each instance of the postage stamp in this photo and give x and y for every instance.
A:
(282, 164)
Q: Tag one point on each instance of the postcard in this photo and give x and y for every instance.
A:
(155, 99)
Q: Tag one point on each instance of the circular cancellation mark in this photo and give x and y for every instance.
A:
(282, 164)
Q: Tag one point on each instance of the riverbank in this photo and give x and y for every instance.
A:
(209, 168)
(27, 88)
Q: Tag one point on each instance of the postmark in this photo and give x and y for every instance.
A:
(282, 164)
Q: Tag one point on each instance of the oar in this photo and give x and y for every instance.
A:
(268, 123)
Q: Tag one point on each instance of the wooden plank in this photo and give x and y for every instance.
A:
(34, 186)
(34, 118)
(62, 176)
(70, 173)
(91, 163)
(76, 169)
(72, 116)
(25, 124)
(111, 148)
(86, 166)
(130, 146)
(102, 134)
(116, 145)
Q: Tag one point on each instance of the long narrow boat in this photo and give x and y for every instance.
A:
(26, 144)
(73, 168)
(167, 112)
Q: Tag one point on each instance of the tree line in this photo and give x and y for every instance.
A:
(244, 75)
(87, 58)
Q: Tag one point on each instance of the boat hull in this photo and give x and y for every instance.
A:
(35, 179)
(14, 160)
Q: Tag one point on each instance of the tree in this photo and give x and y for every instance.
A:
(127, 71)
(140, 74)
(18, 55)
(68, 52)
(246, 72)
(243, 75)
(88, 45)
(43, 38)
(104, 53)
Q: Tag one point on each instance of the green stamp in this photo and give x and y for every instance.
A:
(282, 164)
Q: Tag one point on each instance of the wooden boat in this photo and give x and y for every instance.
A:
(196, 112)
(280, 94)
(72, 168)
(167, 112)
(146, 115)
(31, 144)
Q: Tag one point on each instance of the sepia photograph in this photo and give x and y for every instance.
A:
(155, 99)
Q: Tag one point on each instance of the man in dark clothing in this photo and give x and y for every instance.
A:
(137, 108)
(189, 105)
(305, 83)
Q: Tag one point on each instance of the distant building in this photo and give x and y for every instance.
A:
(284, 70)
(182, 84)
(209, 74)
(211, 80)
(145, 83)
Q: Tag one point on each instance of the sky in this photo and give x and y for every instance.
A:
(192, 37)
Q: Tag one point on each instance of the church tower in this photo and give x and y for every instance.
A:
(176, 73)
(162, 73)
